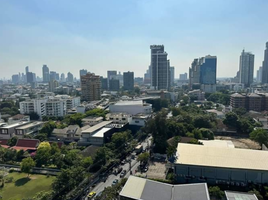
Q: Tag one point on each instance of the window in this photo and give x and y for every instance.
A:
(137, 122)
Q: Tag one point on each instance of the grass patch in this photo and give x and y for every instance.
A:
(25, 187)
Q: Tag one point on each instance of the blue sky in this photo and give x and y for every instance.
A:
(101, 35)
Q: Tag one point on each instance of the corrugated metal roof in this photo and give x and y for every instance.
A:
(240, 196)
(201, 155)
(218, 143)
(144, 189)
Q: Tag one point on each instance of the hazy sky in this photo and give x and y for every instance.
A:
(101, 35)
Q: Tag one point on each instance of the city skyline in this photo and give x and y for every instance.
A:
(78, 37)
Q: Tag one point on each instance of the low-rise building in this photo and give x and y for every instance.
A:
(68, 134)
(119, 118)
(28, 129)
(213, 164)
(91, 121)
(131, 107)
(137, 188)
(8, 131)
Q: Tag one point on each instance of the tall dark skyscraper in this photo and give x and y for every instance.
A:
(128, 79)
(246, 68)
(30, 77)
(45, 74)
(160, 68)
(26, 71)
(265, 66)
(15, 78)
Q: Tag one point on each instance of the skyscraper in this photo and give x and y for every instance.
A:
(90, 87)
(147, 75)
(26, 71)
(82, 72)
(265, 66)
(160, 68)
(110, 74)
(15, 78)
(30, 77)
(114, 85)
(202, 74)
(104, 83)
(172, 75)
(128, 78)
(52, 75)
(208, 70)
(183, 77)
(62, 77)
(70, 77)
(45, 74)
(259, 75)
(246, 68)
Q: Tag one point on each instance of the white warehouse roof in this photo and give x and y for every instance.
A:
(201, 155)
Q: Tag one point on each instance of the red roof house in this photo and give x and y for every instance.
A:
(26, 144)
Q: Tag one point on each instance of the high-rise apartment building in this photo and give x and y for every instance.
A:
(45, 74)
(259, 75)
(110, 74)
(128, 78)
(160, 77)
(90, 87)
(202, 74)
(82, 72)
(265, 66)
(172, 75)
(246, 68)
(70, 77)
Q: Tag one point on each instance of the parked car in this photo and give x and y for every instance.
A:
(123, 173)
(115, 182)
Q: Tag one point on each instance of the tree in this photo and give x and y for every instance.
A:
(231, 119)
(244, 126)
(27, 164)
(68, 178)
(87, 162)
(215, 191)
(12, 141)
(42, 196)
(143, 157)
(41, 136)
(75, 119)
(44, 145)
(260, 136)
(48, 128)
(206, 133)
(34, 116)
(43, 154)
(119, 139)
(240, 111)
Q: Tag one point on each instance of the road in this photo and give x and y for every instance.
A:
(134, 165)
